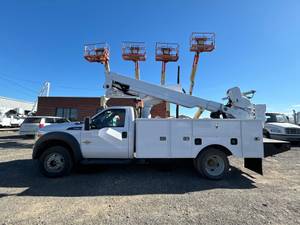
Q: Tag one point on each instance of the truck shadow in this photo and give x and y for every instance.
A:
(14, 145)
(15, 142)
(295, 144)
(114, 180)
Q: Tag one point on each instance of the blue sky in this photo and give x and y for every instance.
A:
(257, 46)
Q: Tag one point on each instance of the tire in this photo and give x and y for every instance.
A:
(266, 133)
(55, 161)
(30, 136)
(212, 163)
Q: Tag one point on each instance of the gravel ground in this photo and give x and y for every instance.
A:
(144, 194)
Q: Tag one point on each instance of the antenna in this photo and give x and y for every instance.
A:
(166, 52)
(134, 51)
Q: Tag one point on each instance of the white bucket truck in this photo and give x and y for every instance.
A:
(120, 134)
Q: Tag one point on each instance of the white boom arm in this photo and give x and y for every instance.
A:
(123, 86)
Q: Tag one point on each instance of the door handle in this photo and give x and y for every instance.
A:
(86, 142)
(186, 138)
(124, 134)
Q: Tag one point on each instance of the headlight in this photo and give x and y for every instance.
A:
(276, 130)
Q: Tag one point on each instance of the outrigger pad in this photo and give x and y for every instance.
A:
(254, 164)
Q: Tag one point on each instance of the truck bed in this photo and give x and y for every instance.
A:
(185, 138)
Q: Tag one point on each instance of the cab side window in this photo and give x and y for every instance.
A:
(49, 120)
(109, 118)
(61, 120)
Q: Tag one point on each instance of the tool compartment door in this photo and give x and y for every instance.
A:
(181, 146)
(252, 139)
(153, 138)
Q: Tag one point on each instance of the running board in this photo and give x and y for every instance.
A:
(106, 161)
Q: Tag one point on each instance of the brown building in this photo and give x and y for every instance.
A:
(76, 108)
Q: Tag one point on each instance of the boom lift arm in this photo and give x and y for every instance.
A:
(238, 106)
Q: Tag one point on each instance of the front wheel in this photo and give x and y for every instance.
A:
(56, 161)
(266, 133)
(212, 163)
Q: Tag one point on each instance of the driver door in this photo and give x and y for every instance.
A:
(107, 137)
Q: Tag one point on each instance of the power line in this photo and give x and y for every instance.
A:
(30, 81)
(24, 90)
(55, 84)
(72, 88)
(16, 83)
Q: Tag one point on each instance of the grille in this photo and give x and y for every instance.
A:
(292, 130)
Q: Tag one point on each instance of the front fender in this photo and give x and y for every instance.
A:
(57, 138)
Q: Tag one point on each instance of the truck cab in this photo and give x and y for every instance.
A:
(110, 134)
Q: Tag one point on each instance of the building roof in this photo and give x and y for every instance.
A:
(16, 100)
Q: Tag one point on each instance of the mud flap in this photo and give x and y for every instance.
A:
(254, 164)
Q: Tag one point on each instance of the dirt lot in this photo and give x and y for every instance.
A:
(143, 194)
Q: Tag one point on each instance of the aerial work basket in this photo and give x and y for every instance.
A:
(98, 52)
(166, 52)
(134, 51)
(202, 42)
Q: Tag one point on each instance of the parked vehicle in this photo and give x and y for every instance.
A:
(116, 134)
(32, 124)
(122, 134)
(12, 117)
(296, 117)
(278, 127)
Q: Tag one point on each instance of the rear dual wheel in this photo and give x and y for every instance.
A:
(212, 163)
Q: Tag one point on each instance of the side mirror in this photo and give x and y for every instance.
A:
(87, 123)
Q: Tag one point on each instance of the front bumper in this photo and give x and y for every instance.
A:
(274, 147)
(286, 137)
(27, 132)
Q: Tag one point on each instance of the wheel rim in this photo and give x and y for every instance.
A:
(214, 165)
(54, 162)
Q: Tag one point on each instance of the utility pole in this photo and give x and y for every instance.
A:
(178, 82)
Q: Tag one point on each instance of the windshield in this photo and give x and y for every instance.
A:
(109, 118)
(276, 118)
